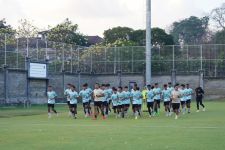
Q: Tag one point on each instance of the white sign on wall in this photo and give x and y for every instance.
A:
(37, 70)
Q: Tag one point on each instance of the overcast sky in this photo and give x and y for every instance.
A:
(95, 16)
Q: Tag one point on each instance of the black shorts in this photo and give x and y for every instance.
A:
(119, 106)
(127, 105)
(166, 103)
(183, 102)
(51, 105)
(135, 106)
(68, 103)
(105, 103)
(73, 105)
(114, 107)
(98, 103)
(176, 106)
(157, 101)
(188, 101)
(85, 104)
(150, 104)
(139, 105)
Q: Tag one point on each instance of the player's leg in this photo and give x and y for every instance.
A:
(53, 108)
(49, 111)
(149, 109)
(136, 111)
(101, 107)
(197, 102)
(203, 106)
(155, 107)
(158, 106)
(188, 105)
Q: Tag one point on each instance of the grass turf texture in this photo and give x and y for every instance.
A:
(25, 129)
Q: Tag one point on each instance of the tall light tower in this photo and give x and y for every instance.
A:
(148, 54)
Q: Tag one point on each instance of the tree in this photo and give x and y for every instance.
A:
(6, 29)
(138, 36)
(191, 30)
(218, 16)
(66, 32)
(26, 29)
(122, 33)
(219, 37)
(160, 37)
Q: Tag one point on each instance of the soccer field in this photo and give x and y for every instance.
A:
(26, 129)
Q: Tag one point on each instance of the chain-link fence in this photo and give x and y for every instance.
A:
(187, 59)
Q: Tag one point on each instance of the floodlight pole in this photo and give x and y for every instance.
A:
(148, 72)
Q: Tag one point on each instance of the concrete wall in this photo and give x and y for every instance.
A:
(17, 84)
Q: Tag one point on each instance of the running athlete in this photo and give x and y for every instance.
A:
(166, 94)
(85, 96)
(73, 95)
(120, 105)
(115, 99)
(157, 98)
(189, 97)
(66, 94)
(150, 101)
(183, 98)
(51, 101)
(199, 96)
(98, 95)
(127, 96)
(136, 96)
(175, 96)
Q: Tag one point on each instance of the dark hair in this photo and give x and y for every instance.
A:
(49, 86)
(85, 85)
(165, 85)
(126, 87)
(135, 84)
(182, 85)
(69, 84)
(103, 85)
(169, 83)
(156, 84)
(176, 85)
(120, 87)
(152, 87)
(137, 88)
(73, 86)
(187, 84)
(114, 89)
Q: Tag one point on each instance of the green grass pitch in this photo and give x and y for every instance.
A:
(26, 129)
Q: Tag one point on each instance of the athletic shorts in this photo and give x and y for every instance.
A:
(119, 106)
(73, 105)
(98, 103)
(105, 103)
(85, 104)
(68, 103)
(127, 105)
(135, 105)
(188, 101)
(176, 106)
(139, 105)
(114, 107)
(166, 103)
(150, 104)
(51, 105)
(157, 101)
(183, 102)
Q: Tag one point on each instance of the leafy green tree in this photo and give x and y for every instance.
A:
(122, 33)
(66, 32)
(219, 37)
(191, 30)
(159, 36)
(6, 29)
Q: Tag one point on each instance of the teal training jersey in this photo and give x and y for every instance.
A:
(110, 92)
(189, 93)
(115, 99)
(157, 92)
(51, 97)
(136, 96)
(183, 95)
(127, 96)
(121, 98)
(85, 95)
(73, 97)
(166, 94)
(150, 96)
(106, 95)
(66, 93)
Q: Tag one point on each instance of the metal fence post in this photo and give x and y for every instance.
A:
(5, 62)
(201, 56)
(105, 59)
(46, 50)
(63, 59)
(132, 59)
(78, 57)
(17, 53)
(115, 60)
(173, 57)
(5, 83)
(91, 61)
(37, 46)
(71, 56)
